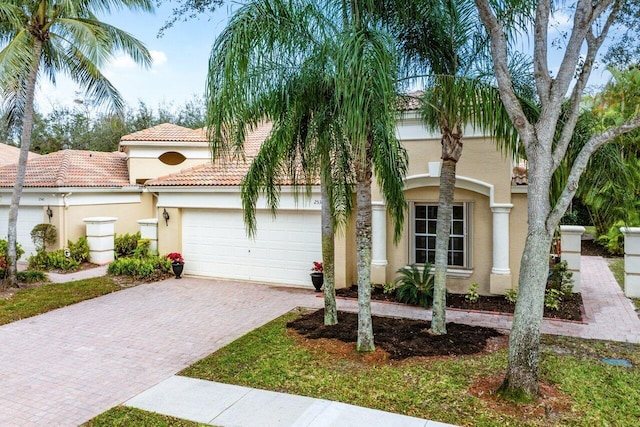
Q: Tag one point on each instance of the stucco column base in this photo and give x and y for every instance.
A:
(378, 274)
(570, 242)
(631, 261)
(499, 284)
(100, 237)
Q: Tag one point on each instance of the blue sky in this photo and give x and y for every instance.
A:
(180, 61)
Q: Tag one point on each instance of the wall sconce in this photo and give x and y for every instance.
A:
(49, 213)
(166, 216)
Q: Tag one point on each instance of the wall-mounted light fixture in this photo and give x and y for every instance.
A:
(166, 216)
(49, 213)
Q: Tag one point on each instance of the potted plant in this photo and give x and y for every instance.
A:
(317, 275)
(177, 263)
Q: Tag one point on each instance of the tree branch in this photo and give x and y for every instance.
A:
(541, 67)
(501, 68)
(580, 164)
(593, 46)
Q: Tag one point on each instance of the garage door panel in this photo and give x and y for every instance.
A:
(28, 217)
(215, 244)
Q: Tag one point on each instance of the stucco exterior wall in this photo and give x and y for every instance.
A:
(127, 214)
(145, 169)
(518, 227)
(169, 233)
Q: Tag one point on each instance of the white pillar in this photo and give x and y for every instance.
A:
(100, 232)
(500, 280)
(378, 242)
(149, 230)
(631, 261)
(571, 251)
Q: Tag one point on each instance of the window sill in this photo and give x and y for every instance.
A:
(456, 273)
(459, 273)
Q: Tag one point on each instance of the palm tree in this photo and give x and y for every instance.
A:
(51, 37)
(327, 82)
(443, 44)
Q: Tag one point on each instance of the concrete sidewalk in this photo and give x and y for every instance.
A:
(220, 404)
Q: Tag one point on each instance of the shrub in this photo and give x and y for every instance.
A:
(561, 278)
(511, 295)
(415, 286)
(143, 249)
(140, 268)
(55, 260)
(388, 287)
(43, 235)
(552, 298)
(472, 294)
(613, 241)
(126, 244)
(80, 250)
(32, 276)
(4, 247)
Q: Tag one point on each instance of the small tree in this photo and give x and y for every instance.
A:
(43, 235)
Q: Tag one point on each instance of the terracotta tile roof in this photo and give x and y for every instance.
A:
(72, 168)
(167, 132)
(221, 173)
(520, 174)
(10, 154)
(410, 101)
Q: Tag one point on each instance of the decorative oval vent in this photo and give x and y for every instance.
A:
(172, 158)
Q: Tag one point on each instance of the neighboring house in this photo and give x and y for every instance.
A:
(71, 185)
(167, 169)
(10, 154)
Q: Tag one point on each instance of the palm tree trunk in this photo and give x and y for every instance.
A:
(328, 266)
(25, 143)
(443, 231)
(363, 246)
(451, 152)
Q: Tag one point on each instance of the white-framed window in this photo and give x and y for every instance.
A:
(423, 234)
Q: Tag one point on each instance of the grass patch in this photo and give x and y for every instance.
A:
(616, 265)
(272, 358)
(30, 302)
(122, 416)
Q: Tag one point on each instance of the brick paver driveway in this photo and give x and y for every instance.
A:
(68, 365)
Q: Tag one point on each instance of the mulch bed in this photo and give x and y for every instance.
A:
(400, 338)
(571, 307)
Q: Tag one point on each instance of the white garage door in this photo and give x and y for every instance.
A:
(215, 244)
(28, 217)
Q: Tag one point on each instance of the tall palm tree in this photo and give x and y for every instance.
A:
(50, 37)
(444, 45)
(327, 82)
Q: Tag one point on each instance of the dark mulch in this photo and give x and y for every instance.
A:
(570, 308)
(400, 338)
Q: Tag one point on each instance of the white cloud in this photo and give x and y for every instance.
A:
(159, 58)
(123, 62)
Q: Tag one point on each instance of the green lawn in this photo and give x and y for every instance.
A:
(30, 302)
(122, 416)
(270, 358)
(616, 265)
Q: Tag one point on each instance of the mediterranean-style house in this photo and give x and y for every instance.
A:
(165, 173)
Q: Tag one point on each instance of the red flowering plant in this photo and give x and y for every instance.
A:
(175, 257)
(317, 267)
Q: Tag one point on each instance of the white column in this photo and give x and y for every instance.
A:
(100, 231)
(500, 280)
(631, 261)
(149, 230)
(378, 242)
(571, 251)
